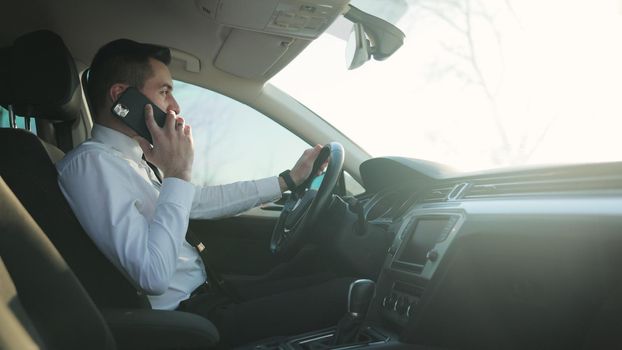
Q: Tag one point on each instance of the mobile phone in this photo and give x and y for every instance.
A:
(130, 108)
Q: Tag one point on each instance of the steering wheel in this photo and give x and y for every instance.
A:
(304, 206)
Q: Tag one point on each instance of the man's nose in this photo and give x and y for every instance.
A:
(173, 106)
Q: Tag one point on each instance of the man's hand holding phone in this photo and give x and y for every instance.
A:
(173, 147)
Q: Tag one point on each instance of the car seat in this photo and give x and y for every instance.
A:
(40, 60)
(43, 83)
(44, 305)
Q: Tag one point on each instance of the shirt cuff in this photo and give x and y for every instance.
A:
(177, 191)
(268, 189)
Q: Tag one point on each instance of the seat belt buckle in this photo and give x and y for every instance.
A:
(201, 248)
(201, 289)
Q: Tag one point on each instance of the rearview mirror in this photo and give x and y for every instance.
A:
(357, 49)
(370, 37)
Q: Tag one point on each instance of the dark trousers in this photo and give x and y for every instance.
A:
(279, 308)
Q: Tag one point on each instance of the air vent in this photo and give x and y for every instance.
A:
(482, 191)
(450, 193)
(457, 191)
(542, 187)
(439, 194)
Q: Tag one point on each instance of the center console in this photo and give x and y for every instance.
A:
(420, 244)
(421, 241)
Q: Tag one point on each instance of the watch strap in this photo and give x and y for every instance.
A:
(291, 185)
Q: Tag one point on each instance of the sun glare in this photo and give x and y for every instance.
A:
(509, 83)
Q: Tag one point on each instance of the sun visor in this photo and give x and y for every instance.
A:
(254, 55)
(265, 35)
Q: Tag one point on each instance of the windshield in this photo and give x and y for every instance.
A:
(477, 84)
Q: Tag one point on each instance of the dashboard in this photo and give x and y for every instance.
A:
(519, 259)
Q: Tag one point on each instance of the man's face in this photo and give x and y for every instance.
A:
(159, 87)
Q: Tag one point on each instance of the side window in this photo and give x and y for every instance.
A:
(234, 142)
(19, 121)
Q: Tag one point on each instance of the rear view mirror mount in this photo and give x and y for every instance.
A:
(370, 37)
(358, 48)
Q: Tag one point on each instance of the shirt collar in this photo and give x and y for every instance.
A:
(117, 140)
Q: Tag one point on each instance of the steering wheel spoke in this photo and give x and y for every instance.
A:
(299, 209)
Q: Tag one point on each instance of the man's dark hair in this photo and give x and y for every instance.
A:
(121, 61)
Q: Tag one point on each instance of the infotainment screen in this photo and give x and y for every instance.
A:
(419, 242)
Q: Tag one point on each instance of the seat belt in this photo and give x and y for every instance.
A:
(216, 282)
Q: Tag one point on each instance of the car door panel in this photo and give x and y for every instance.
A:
(239, 245)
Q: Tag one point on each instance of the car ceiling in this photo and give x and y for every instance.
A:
(85, 25)
(220, 41)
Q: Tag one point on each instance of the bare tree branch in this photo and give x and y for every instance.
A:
(541, 138)
(484, 85)
(443, 17)
(465, 17)
(456, 52)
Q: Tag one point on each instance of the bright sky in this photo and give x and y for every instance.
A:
(553, 73)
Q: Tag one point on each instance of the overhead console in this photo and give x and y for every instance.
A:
(275, 30)
(301, 19)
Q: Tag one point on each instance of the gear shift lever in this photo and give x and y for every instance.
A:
(359, 297)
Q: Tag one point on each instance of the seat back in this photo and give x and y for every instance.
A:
(18, 330)
(46, 307)
(26, 166)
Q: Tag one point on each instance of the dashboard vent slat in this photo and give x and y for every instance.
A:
(541, 187)
(450, 192)
(437, 194)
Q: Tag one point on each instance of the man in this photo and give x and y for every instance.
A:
(140, 223)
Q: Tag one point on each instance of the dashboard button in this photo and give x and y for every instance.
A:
(389, 301)
(432, 255)
(401, 306)
(385, 302)
(410, 310)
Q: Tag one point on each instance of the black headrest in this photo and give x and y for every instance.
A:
(6, 91)
(43, 78)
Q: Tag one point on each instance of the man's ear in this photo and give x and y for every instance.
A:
(116, 90)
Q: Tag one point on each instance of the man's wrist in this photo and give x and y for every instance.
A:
(282, 184)
(286, 182)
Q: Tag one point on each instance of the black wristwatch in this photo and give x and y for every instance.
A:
(291, 185)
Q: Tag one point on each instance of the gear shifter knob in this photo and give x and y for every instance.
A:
(359, 297)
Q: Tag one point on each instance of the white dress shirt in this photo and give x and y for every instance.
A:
(140, 224)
